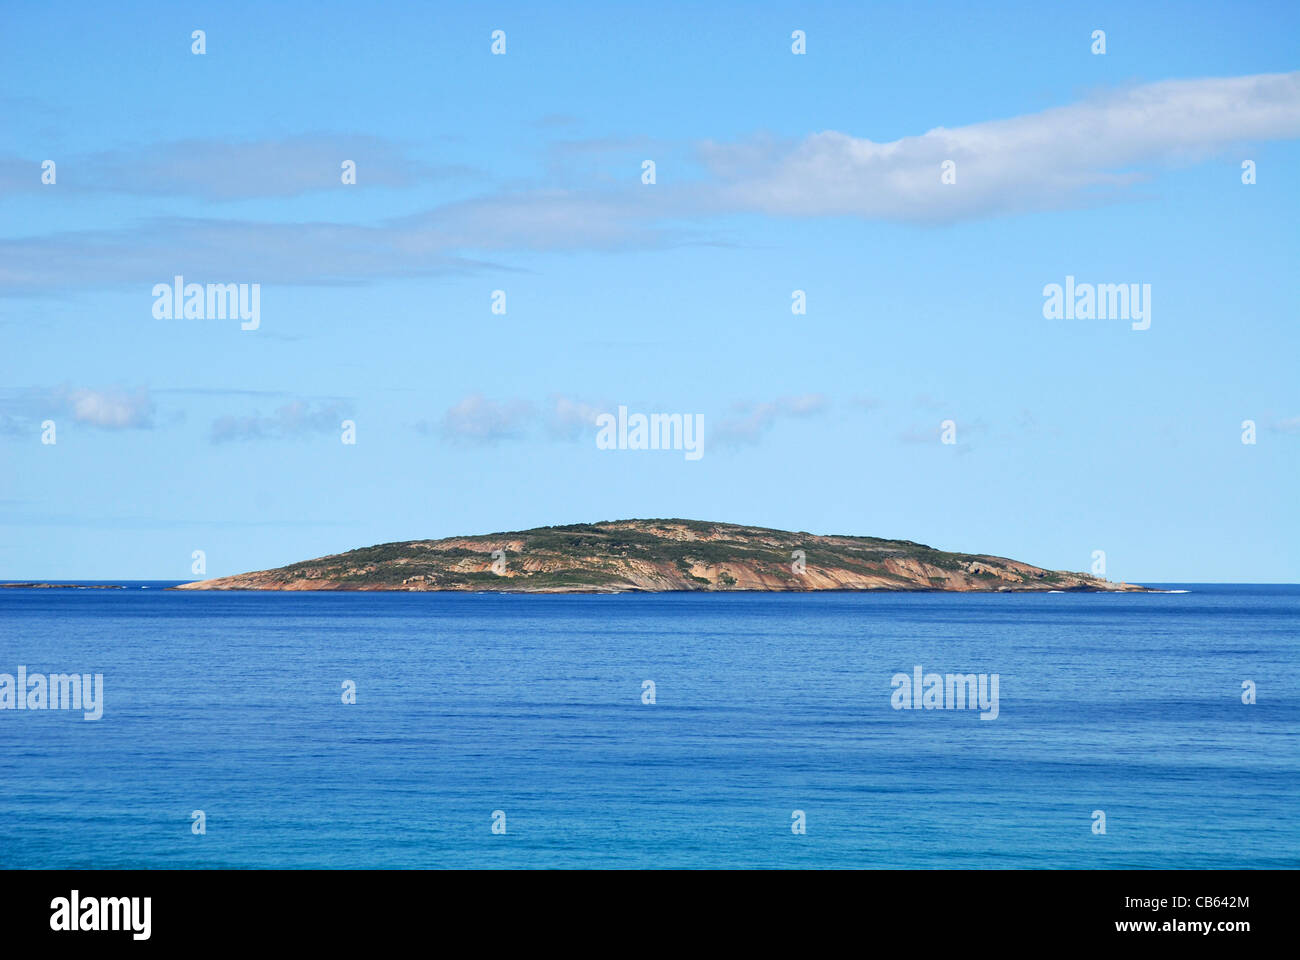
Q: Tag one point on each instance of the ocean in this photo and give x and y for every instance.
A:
(526, 713)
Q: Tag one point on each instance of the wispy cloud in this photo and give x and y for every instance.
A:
(221, 170)
(108, 408)
(11, 426)
(435, 243)
(206, 250)
(292, 420)
(112, 409)
(547, 220)
(748, 421)
(933, 432)
(1062, 157)
(476, 419)
(569, 419)
(563, 418)
(1093, 151)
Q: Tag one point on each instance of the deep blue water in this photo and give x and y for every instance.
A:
(231, 703)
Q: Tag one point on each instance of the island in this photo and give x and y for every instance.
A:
(622, 556)
(33, 585)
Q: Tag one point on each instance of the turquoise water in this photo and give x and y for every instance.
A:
(231, 703)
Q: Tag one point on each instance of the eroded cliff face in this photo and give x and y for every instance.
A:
(657, 555)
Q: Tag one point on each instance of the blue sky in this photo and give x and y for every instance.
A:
(775, 172)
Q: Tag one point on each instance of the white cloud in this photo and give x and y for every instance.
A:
(1057, 158)
(109, 408)
(476, 419)
(1089, 152)
(112, 409)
